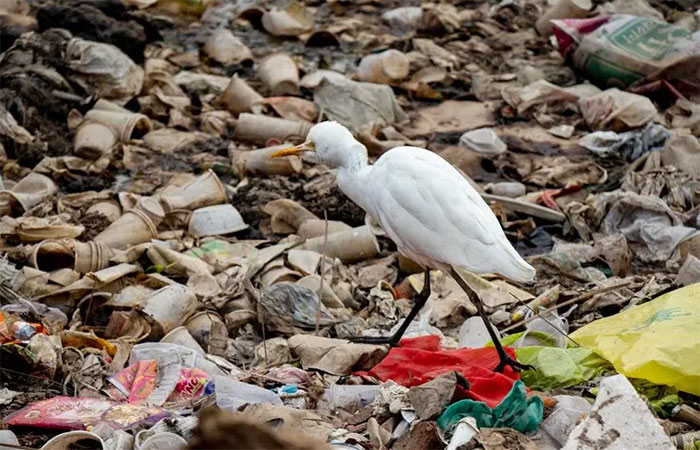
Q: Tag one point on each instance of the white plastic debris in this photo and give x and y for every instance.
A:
(619, 420)
(473, 333)
(232, 394)
(483, 140)
(568, 411)
(463, 432)
(216, 220)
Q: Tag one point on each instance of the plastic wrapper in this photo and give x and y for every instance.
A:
(288, 307)
(13, 329)
(138, 383)
(78, 413)
(658, 341)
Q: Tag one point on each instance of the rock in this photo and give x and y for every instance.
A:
(619, 420)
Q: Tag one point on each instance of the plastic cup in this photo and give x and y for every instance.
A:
(132, 228)
(259, 128)
(279, 73)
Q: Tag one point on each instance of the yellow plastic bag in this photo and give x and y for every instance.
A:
(658, 341)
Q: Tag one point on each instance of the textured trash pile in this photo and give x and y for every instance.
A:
(164, 283)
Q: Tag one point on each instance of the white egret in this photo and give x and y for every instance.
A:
(430, 211)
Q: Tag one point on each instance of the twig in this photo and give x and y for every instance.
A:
(589, 294)
(322, 270)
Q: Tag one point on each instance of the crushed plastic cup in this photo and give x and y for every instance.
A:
(260, 162)
(181, 336)
(27, 193)
(109, 208)
(550, 331)
(215, 220)
(386, 67)
(93, 139)
(169, 307)
(205, 190)
(133, 228)
(74, 439)
(152, 208)
(164, 440)
(225, 48)
(279, 73)
(239, 97)
(354, 245)
(317, 227)
(286, 215)
(259, 128)
(201, 324)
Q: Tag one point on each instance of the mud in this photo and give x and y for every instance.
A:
(250, 199)
(86, 21)
(94, 224)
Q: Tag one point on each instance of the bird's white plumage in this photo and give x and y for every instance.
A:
(425, 205)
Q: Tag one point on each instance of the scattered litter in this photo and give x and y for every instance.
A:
(166, 283)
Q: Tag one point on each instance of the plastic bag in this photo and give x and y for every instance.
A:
(658, 341)
(515, 411)
(560, 367)
(622, 49)
(419, 360)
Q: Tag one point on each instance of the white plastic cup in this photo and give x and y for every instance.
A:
(215, 220)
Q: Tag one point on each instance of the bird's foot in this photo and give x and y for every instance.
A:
(515, 365)
(376, 340)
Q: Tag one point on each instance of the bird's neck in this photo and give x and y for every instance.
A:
(353, 181)
(354, 157)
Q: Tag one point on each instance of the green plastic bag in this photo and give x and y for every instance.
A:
(662, 398)
(560, 367)
(515, 411)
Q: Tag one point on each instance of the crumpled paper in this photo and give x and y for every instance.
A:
(334, 356)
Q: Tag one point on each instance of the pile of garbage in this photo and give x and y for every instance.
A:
(165, 283)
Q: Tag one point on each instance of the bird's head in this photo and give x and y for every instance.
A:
(330, 144)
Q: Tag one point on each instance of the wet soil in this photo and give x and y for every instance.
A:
(94, 224)
(250, 199)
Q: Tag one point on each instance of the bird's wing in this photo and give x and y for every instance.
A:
(428, 208)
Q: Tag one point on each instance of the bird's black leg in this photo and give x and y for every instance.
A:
(505, 360)
(393, 340)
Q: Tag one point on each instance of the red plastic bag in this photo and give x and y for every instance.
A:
(421, 359)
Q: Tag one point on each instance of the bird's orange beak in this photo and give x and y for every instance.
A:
(296, 150)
